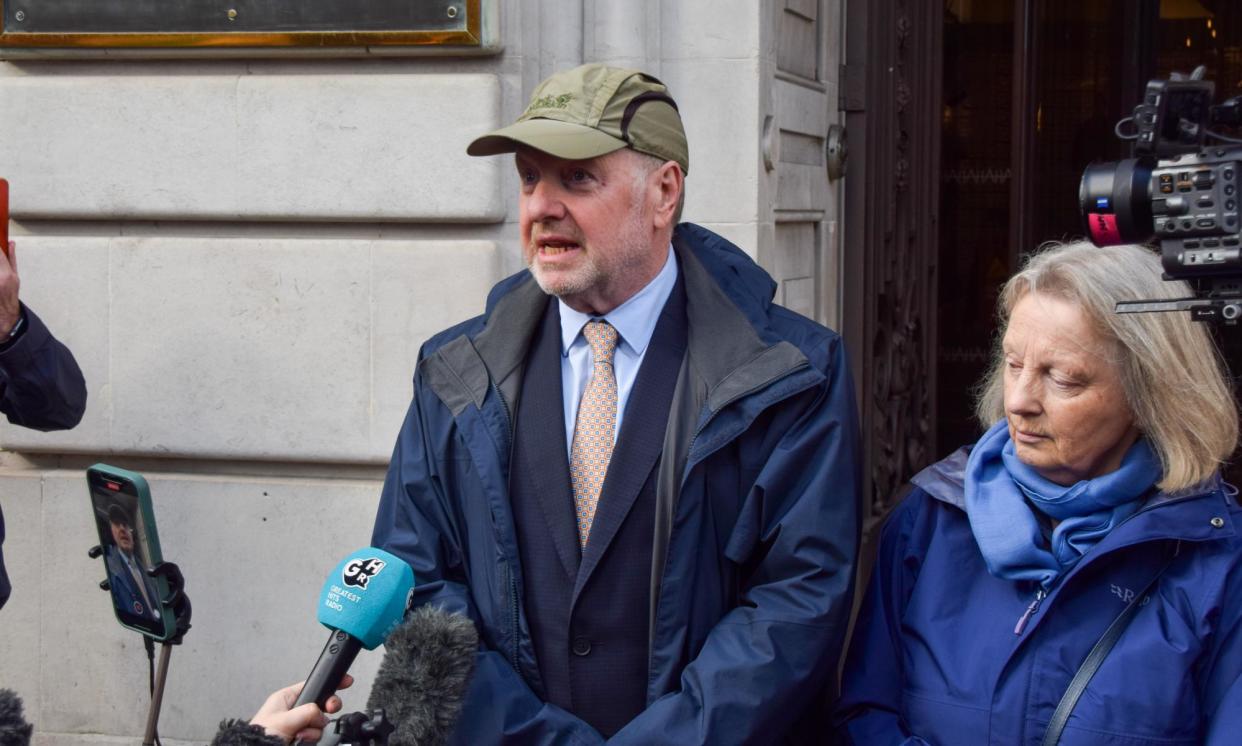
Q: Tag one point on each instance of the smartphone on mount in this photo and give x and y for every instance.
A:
(125, 520)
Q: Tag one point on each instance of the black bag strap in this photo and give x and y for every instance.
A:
(1096, 657)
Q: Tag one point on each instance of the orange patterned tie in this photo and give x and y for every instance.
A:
(597, 421)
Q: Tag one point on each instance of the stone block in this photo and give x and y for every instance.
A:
(710, 29)
(725, 162)
(260, 147)
(20, 499)
(258, 349)
(800, 109)
(272, 349)
(67, 283)
(799, 296)
(419, 290)
(796, 247)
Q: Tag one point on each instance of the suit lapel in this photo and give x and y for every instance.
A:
(541, 421)
(642, 432)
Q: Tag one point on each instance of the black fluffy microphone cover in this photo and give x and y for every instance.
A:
(14, 730)
(423, 677)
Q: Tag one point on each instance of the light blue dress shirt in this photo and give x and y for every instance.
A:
(635, 321)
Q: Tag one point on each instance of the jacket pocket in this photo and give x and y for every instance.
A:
(940, 721)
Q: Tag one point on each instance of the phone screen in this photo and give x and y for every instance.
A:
(130, 546)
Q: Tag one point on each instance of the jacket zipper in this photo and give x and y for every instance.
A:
(513, 591)
(513, 607)
(504, 405)
(1040, 595)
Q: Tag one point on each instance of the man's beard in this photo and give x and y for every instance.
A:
(597, 268)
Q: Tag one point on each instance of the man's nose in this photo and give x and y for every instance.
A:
(545, 202)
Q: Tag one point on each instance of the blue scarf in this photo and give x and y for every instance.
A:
(999, 486)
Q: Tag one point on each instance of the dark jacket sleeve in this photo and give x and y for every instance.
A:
(41, 386)
(797, 538)
(869, 709)
(415, 523)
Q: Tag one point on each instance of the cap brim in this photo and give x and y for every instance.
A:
(562, 139)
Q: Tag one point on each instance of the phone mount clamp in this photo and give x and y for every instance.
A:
(176, 602)
(364, 728)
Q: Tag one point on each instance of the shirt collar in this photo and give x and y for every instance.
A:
(634, 319)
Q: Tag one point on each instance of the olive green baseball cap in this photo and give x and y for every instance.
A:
(593, 110)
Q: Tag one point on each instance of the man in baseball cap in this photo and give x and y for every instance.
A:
(634, 472)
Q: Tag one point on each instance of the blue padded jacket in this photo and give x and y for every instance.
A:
(942, 653)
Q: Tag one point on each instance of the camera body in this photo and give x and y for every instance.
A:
(1180, 191)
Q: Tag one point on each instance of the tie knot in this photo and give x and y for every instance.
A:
(602, 337)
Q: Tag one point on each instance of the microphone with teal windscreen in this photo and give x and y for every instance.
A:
(363, 600)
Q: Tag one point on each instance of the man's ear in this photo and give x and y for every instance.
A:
(667, 182)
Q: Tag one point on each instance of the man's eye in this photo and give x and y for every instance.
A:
(526, 176)
(578, 175)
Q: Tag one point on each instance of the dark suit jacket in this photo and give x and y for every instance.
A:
(125, 592)
(588, 607)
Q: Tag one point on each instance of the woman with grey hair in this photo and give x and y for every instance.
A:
(1069, 578)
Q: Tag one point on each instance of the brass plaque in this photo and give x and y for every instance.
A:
(207, 24)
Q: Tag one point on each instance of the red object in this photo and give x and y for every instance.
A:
(1103, 227)
(4, 217)
(112, 486)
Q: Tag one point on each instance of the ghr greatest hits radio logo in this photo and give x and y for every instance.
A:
(358, 572)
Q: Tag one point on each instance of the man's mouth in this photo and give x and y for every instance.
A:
(556, 247)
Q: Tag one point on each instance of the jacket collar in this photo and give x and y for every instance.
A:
(728, 299)
(1191, 514)
(733, 349)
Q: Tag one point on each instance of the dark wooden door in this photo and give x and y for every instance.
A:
(891, 100)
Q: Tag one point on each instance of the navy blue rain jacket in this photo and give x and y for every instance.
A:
(939, 655)
(41, 387)
(756, 530)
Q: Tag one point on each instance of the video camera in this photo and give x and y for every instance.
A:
(1180, 189)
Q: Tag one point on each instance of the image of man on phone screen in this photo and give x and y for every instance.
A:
(132, 589)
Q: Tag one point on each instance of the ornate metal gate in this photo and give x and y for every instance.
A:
(891, 97)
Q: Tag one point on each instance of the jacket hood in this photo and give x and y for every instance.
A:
(746, 283)
(945, 480)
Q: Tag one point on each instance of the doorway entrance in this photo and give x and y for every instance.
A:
(970, 123)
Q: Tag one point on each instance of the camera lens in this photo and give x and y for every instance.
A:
(1116, 202)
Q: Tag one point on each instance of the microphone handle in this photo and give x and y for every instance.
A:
(333, 663)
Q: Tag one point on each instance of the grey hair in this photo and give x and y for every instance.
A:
(649, 164)
(1173, 376)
